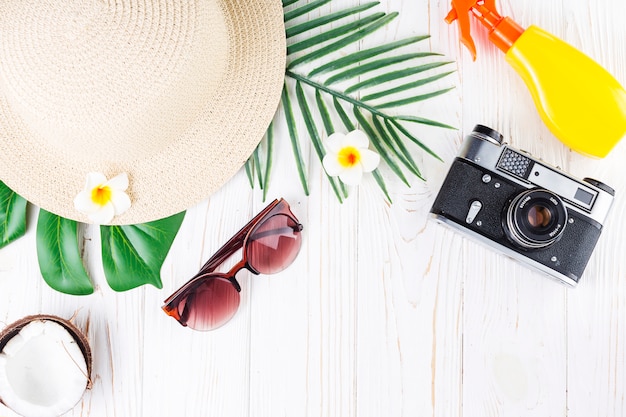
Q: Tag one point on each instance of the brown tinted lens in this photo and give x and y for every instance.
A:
(209, 305)
(274, 244)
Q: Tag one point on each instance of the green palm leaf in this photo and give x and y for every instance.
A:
(414, 99)
(369, 130)
(333, 34)
(12, 215)
(303, 10)
(313, 133)
(360, 56)
(372, 66)
(391, 81)
(268, 162)
(324, 20)
(404, 87)
(344, 42)
(293, 135)
(393, 76)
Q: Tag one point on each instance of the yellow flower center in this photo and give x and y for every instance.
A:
(101, 195)
(349, 156)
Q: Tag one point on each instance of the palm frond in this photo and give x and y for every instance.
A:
(333, 34)
(324, 20)
(269, 142)
(293, 135)
(300, 11)
(313, 133)
(373, 66)
(289, 2)
(360, 56)
(391, 76)
(378, 21)
(404, 87)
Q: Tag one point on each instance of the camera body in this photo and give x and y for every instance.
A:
(522, 207)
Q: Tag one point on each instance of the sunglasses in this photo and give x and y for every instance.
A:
(270, 242)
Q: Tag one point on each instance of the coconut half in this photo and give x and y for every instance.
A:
(45, 366)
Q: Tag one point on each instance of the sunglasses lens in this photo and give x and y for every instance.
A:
(209, 305)
(274, 244)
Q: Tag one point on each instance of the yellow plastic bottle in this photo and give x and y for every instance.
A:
(581, 103)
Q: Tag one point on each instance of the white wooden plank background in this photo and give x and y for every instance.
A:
(383, 313)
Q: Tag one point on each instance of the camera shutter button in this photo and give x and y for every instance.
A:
(600, 185)
(473, 211)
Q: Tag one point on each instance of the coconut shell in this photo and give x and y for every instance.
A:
(14, 328)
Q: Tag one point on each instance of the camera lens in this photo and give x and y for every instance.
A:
(539, 216)
(535, 219)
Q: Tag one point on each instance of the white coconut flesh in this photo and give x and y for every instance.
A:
(43, 371)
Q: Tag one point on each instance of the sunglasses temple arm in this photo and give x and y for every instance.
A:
(235, 243)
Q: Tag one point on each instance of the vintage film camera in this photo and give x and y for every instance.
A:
(522, 207)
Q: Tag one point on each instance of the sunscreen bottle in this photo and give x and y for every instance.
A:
(580, 102)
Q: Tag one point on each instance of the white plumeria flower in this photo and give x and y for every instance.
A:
(102, 199)
(349, 157)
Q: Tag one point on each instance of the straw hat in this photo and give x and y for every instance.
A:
(175, 93)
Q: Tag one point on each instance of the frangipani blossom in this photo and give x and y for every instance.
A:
(102, 199)
(349, 157)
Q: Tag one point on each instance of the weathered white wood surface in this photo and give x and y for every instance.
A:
(383, 313)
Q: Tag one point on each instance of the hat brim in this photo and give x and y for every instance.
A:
(179, 148)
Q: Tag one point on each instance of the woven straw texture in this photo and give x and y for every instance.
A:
(176, 93)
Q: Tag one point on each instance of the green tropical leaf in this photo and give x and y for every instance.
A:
(59, 256)
(375, 65)
(421, 120)
(342, 43)
(12, 215)
(324, 20)
(132, 255)
(405, 87)
(257, 164)
(333, 34)
(315, 137)
(293, 135)
(254, 164)
(364, 55)
(302, 10)
(381, 183)
(394, 75)
(413, 99)
(337, 94)
(386, 131)
(330, 129)
(367, 128)
(343, 115)
(249, 166)
(398, 149)
(326, 120)
(269, 141)
(414, 139)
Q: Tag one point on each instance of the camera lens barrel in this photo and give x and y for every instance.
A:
(535, 219)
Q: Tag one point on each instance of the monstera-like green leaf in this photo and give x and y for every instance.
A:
(12, 215)
(132, 255)
(59, 256)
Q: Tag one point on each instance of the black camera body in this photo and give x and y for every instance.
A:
(522, 207)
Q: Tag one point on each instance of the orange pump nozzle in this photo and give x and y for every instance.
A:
(503, 31)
